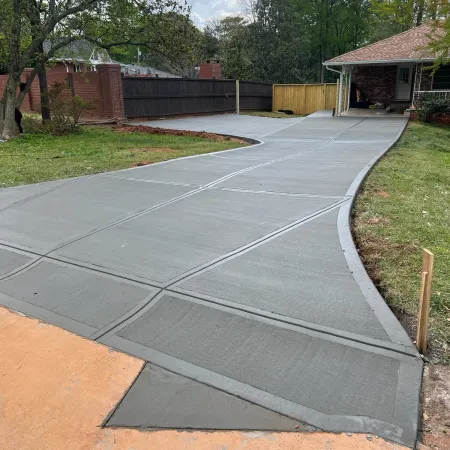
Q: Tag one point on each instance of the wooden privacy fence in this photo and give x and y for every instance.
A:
(304, 98)
(156, 97)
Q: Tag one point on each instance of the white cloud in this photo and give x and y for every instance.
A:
(205, 10)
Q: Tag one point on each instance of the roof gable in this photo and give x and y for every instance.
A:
(410, 45)
(80, 50)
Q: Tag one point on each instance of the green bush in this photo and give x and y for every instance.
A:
(431, 105)
(66, 109)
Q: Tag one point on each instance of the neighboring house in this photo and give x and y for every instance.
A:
(390, 72)
(83, 56)
(78, 56)
(134, 69)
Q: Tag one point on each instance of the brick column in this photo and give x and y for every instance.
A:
(112, 94)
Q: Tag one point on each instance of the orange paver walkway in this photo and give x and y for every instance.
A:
(56, 389)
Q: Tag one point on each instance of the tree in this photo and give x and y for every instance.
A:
(334, 27)
(233, 47)
(395, 16)
(440, 39)
(249, 7)
(280, 43)
(26, 24)
(209, 43)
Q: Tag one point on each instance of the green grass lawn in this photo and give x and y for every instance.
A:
(40, 157)
(275, 115)
(403, 208)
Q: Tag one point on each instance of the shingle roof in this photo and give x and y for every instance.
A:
(80, 50)
(407, 46)
(145, 70)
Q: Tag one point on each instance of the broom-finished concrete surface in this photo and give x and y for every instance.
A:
(233, 274)
(57, 388)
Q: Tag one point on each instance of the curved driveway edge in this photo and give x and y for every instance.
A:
(228, 271)
(374, 298)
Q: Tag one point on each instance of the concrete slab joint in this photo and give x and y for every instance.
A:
(234, 275)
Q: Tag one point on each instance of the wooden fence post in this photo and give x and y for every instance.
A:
(424, 306)
(273, 98)
(237, 98)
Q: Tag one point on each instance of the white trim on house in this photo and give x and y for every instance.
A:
(381, 61)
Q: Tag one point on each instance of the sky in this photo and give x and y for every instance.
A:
(203, 10)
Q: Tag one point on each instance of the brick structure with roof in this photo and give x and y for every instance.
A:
(390, 73)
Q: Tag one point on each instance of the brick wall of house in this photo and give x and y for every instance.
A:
(377, 82)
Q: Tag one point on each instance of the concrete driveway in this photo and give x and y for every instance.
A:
(233, 274)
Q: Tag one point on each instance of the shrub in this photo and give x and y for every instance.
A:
(66, 109)
(431, 105)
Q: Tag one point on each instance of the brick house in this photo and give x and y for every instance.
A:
(390, 73)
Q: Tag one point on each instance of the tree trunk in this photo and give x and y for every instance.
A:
(43, 85)
(420, 11)
(43, 89)
(8, 126)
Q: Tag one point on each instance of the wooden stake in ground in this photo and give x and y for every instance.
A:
(424, 306)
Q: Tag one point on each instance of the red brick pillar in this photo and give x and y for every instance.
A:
(112, 94)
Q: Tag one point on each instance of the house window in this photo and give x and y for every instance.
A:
(77, 68)
(441, 79)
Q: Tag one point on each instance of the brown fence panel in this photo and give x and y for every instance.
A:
(304, 98)
(255, 96)
(156, 97)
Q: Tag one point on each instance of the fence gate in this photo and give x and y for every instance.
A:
(304, 98)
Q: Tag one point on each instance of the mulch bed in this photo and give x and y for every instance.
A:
(170, 132)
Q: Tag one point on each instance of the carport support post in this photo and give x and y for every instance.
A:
(349, 86)
(341, 85)
(237, 98)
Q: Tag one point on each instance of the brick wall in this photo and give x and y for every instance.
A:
(3, 80)
(103, 88)
(377, 82)
(59, 67)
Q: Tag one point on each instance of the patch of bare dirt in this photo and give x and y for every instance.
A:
(383, 194)
(376, 221)
(142, 163)
(372, 248)
(436, 407)
(170, 132)
(152, 149)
